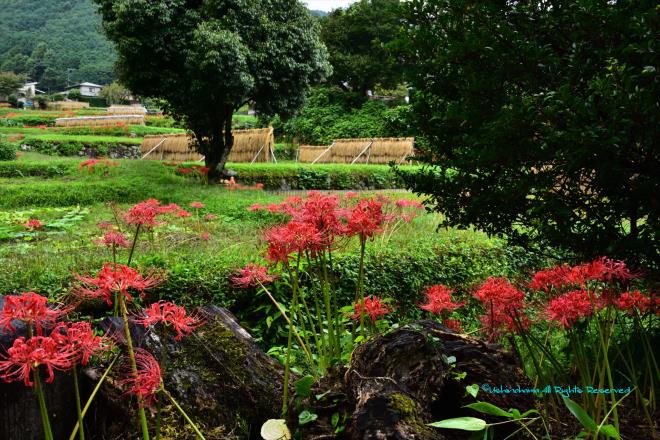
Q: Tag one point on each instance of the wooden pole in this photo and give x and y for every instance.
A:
(157, 145)
(362, 152)
(324, 151)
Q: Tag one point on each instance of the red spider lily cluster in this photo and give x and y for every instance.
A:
(197, 171)
(438, 300)
(170, 315)
(374, 308)
(147, 382)
(31, 309)
(115, 279)
(252, 275)
(33, 224)
(504, 304)
(67, 345)
(232, 185)
(101, 166)
(115, 239)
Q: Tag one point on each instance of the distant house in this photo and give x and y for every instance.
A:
(28, 92)
(87, 89)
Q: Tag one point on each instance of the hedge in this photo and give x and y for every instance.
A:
(321, 177)
(56, 145)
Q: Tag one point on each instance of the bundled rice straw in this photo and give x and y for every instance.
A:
(363, 150)
(127, 110)
(68, 105)
(248, 145)
(100, 121)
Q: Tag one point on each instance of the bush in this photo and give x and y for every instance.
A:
(333, 114)
(7, 151)
(321, 177)
(35, 169)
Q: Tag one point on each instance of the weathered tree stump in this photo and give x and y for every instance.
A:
(223, 380)
(399, 382)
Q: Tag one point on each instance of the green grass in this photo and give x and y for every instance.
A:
(54, 137)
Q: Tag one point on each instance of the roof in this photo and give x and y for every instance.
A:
(86, 84)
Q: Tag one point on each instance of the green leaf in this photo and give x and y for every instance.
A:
(462, 423)
(489, 408)
(334, 419)
(609, 431)
(304, 386)
(580, 414)
(472, 390)
(306, 417)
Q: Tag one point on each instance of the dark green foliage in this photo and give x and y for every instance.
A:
(208, 59)
(28, 120)
(358, 40)
(10, 82)
(332, 114)
(36, 169)
(321, 177)
(71, 147)
(546, 113)
(44, 38)
(7, 151)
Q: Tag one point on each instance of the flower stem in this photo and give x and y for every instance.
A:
(91, 397)
(359, 294)
(131, 354)
(48, 432)
(76, 388)
(135, 237)
(183, 413)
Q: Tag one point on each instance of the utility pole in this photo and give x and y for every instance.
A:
(68, 75)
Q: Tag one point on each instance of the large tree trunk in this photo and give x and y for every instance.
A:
(218, 149)
(399, 382)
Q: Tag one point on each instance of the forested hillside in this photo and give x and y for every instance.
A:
(44, 38)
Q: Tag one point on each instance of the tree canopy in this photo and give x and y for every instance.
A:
(358, 39)
(538, 120)
(208, 58)
(10, 83)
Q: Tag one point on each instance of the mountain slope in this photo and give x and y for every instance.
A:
(44, 38)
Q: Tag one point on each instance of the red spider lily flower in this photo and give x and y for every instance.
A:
(88, 163)
(33, 224)
(148, 381)
(209, 217)
(31, 309)
(105, 225)
(115, 279)
(196, 205)
(318, 210)
(256, 207)
(205, 236)
(570, 307)
(438, 299)
(504, 307)
(80, 338)
(171, 315)
(372, 307)
(182, 213)
(115, 239)
(259, 186)
(405, 203)
(251, 276)
(294, 237)
(554, 277)
(366, 219)
(26, 356)
(628, 301)
(350, 195)
(145, 213)
(453, 324)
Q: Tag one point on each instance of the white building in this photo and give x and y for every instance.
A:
(28, 92)
(88, 89)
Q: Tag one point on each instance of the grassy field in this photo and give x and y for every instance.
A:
(71, 203)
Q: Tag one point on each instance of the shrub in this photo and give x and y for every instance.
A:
(7, 151)
(321, 177)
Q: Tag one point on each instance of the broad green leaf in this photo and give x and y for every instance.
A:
(306, 417)
(462, 423)
(489, 408)
(304, 386)
(580, 414)
(472, 390)
(609, 431)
